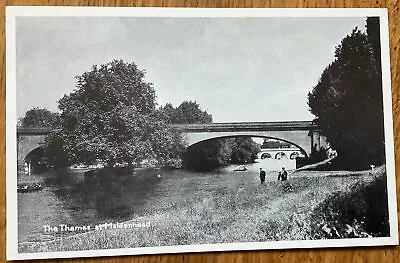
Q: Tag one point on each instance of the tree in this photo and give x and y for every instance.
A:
(373, 34)
(207, 155)
(111, 117)
(272, 143)
(244, 150)
(347, 101)
(169, 112)
(186, 113)
(39, 117)
(215, 153)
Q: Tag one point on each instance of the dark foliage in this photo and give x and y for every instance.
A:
(188, 112)
(207, 155)
(41, 118)
(347, 101)
(361, 212)
(215, 153)
(268, 143)
(243, 150)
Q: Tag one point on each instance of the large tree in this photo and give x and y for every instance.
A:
(111, 117)
(347, 101)
(39, 117)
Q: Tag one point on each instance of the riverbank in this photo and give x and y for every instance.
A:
(234, 213)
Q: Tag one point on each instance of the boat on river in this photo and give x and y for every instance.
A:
(240, 168)
(29, 187)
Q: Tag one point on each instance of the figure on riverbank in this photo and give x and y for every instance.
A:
(262, 175)
(282, 175)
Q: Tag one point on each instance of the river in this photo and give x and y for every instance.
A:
(70, 200)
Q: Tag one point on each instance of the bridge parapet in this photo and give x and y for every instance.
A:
(21, 131)
(210, 127)
(247, 126)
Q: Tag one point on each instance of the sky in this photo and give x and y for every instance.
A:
(237, 69)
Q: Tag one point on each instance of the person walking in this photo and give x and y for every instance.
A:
(262, 175)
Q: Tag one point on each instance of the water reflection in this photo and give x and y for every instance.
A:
(67, 198)
(112, 197)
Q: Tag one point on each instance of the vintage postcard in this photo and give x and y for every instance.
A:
(165, 130)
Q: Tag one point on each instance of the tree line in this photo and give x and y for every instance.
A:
(271, 143)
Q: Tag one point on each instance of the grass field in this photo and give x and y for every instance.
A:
(248, 214)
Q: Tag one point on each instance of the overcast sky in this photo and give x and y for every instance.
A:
(238, 69)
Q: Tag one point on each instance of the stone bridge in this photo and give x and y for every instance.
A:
(29, 139)
(302, 134)
(278, 153)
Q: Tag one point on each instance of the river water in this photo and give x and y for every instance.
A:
(67, 199)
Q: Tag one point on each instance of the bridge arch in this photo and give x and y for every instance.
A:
(28, 144)
(280, 155)
(265, 155)
(30, 139)
(216, 137)
(302, 134)
(293, 155)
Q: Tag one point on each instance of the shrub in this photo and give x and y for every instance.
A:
(360, 212)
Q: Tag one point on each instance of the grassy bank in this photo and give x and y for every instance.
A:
(246, 214)
(360, 212)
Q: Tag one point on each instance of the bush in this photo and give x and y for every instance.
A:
(360, 212)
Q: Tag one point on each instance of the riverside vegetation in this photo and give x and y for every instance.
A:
(320, 206)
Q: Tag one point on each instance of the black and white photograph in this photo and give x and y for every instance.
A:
(167, 130)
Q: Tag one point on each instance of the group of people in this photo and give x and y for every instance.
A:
(282, 176)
